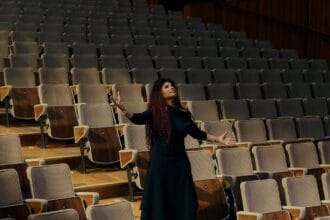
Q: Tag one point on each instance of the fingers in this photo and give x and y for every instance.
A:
(118, 95)
(224, 134)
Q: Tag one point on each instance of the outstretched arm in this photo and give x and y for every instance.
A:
(222, 139)
(116, 101)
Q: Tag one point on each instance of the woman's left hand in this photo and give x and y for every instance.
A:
(224, 139)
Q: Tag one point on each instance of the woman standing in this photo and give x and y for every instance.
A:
(169, 191)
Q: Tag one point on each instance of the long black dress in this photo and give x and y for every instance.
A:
(169, 191)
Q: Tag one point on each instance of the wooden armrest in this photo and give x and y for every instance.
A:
(36, 205)
(74, 90)
(242, 215)
(40, 110)
(89, 198)
(326, 203)
(35, 162)
(209, 147)
(80, 132)
(326, 167)
(4, 92)
(295, 212)
(244, 144)
(275, 142)
(298, 171)
(120, 128)
(227, 181)
(262, 175)
(126, 157)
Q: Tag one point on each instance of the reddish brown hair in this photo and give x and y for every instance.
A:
(161, 124)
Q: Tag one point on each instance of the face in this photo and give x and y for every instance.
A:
(168, 90)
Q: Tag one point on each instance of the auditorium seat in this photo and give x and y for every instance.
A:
(85, 75)
(263, 108)
(293, 76)
(117, 61)
(207, 51)
(160, 50)
(235, 167)
(166, 62)
(318, 64)
(290, 107)
(229, 52)
(237, 35)
(84, 61)
(234, 109)
(235, 63)
(271, 76)
(114, 211)
(97, 134)
(53, 76)
(134, 107)
(316, 107)
(281, 129)
(22, 36)
(190, 62)
(92, 93)
(263, 44)
(202, 76)
(277, 63)
(191, 92)
(207, 42)
(248, 91)
(272, 160)
(23, 61)
(248, 76)
(98, 38)
(166, 40)
(212, 63)
(218, 128)
(244, 43)
(74, 37)
(24, 47)
(65, 214)
(270, 53)
(55, 48)
(289, 53)
(310, 127)
(58, 108)
(243, 130)
(226, 42)
(53, 183)
(251, 53)
(136, 50)
(258, 63)
(299, 90)
(314, 76)
(12, 203)
(50, 60)
(144, 40)
(187, 51)
(302, 197)
(274, 90)
(299, 64)
(321, 90)
(220, 91)
(112, 50)
(134, 158)
(178, 75)
(116, 75)
(203, 111)
(220, 34)
(211, 197)
(303, 156)
(261, 200)
(129, 92)
(326, 187)
(144, 75)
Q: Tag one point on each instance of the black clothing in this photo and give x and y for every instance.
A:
(169, 191)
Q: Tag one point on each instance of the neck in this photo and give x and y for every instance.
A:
(170, 102)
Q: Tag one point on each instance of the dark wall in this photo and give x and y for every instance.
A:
(300, 24)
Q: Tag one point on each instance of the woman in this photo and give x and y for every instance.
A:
(169, 191)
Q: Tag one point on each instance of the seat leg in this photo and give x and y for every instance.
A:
(7, 106)
(82, 166)
(42, 129)
(130, 175)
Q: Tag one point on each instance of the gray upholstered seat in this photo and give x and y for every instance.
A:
(248, 91)
(263, 108)
(114, 211)
(199, 76)
(218, 128)
(144, 75)
(129, 92)
(191, 92)
(204, 110)
(116, 75)
(253, 131)
(290, 107)
(50, 60)
(220, 91)
(65, 214)
(176, 74)
(25, 47)
(92, 93)
(84, 61)
(281, 129)
(85, 75)
(23, 61)
(53, 75)
(235, 109)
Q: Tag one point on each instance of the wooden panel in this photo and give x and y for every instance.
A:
(21, 171)
(17, 212)
(142, 161)
(316, 211)
(280, 215)
(73, 203)
(23, 101)
(62, 119)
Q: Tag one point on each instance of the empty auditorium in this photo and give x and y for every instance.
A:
(164, 109)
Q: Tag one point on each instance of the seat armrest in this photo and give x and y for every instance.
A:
(295, 211)
(35, 162)
(36, 205)
(39, 111)
(227, 181)
(120, 128)
(244, 144)
(326, 202)
(275, 142)
(74, 90)
(209, 147)
(127, 157)
(4, 92)
(297, 171)
(326, 167)
(89, 198)
(299, 140)
(263, 175)
(80, 132)
(243, 215)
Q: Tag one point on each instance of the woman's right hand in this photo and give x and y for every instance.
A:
(116, 101)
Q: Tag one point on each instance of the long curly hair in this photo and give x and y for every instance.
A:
(161, 124)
